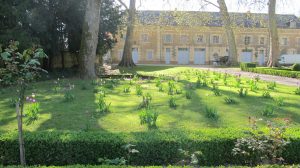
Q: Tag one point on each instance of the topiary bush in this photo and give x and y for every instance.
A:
(245, 66)
(296, 67)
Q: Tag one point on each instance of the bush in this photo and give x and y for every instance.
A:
(156, 147)
(148, 117)
(296, 67)
(211, 113)
(275, 72)
(245, 66)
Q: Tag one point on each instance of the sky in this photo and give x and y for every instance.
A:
(283, 6)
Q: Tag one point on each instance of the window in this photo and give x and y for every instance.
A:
(200, 39)
(149, 54)
(168, 38)
(262, 41)
(145, 37)
(184, 39)
(216, 39)
(285, 41)
(247, 40)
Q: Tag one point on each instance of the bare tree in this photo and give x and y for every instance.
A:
(89, 41)
(127, 60)
(221, 5)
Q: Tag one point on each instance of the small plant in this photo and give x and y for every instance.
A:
(188, 94)
(103, 106)
(272, 86)
(243, 92)
(126, 89)
(297, 91)
(216, 90)
(148, 117)
(238, 81)
(172, 103)
(147, 98)
(229, 100)
(84, 87)
(279, 101)
(69, 96)
(171, 88)
(266, 94)
(57, 86)
(253, 85)
(268, 111)
(139, 90)
(32, 110)
(161, 88)
(211, 113)
(158, 82)
(13, 102)
(178, 91)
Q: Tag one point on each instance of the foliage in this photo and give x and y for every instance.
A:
(229, 100)
(190, 158)
(69, 96)
(172, 102)
(211, 113)
(103, 106)
(245, 66)
(261, 147)
(32, 112)
(243, 92)
(148, 117)
(275, 72)
(279, 101)
(253, 85)
(146, 103)
(216, 90)
(238, 81)
(272, 86)
(266, 94)
(126, 89)
(297, 91)
(188, 94)
(171, 87)
(296, 67)
(268, 111)
(138, 90)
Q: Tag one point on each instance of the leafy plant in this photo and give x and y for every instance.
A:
(172, 102)
(32, 112)
(297, 91)
(216, 90)
(268, 111)
(139, 90)
(147, 98)
(188, 94)
(171, 87)
(189, 158)
(262, 147)
(279, 101)
(211, 113)
(13, 102)
(160, 88)
(266, 94)
(253, 85)
(148, 117)
(69, 96)
(103, 106)
(271, 86)
(229, 100)
(238, 81)
(126, 89)
(243, 92)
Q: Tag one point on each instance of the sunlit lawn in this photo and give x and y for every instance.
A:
(56, 114)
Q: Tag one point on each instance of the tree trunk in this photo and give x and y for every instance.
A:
(19, 111)
(274, 41)
(229, 32)
(89, 40)
(127, 60)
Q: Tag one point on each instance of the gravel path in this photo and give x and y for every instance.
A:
(270, 78)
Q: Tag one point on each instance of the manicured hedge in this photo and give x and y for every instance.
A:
(156, 148)
(275, 72)
(245, 66)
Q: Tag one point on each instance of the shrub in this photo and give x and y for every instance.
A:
(297, 91)
(188, 94)
(243, 92)
(229, 100)
(103, 106)
(126, 89)
(268, 111)
(266, 94)
(139, 90)
(69, 96)
(211, 113)
(245, 66)
(272, 86)
(296, 67)
(279, 101)
(172, 103)
(147, 98)
(148, 117)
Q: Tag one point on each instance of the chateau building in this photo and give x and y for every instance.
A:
(199, 37)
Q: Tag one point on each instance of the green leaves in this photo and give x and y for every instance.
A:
(6, 56)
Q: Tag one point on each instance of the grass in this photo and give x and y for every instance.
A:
(76, 115)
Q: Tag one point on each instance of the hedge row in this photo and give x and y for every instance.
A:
(89, 166)
(155, 147)
(275, 72)
(245, 66)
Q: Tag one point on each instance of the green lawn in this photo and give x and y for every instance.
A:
(56, 114)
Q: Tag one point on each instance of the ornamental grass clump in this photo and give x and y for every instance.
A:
(211, 113)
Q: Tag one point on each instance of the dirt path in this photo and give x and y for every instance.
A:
(270, 78)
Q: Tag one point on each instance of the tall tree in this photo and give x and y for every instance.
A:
(232, 50)
(127, 60)
(89, 41)
(274, 40)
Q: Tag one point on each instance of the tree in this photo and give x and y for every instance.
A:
(89, 41)
(21, 69)
(228, 28)
(127, 60)
(274, 40)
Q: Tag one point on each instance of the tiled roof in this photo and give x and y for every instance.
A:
(194, 18)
